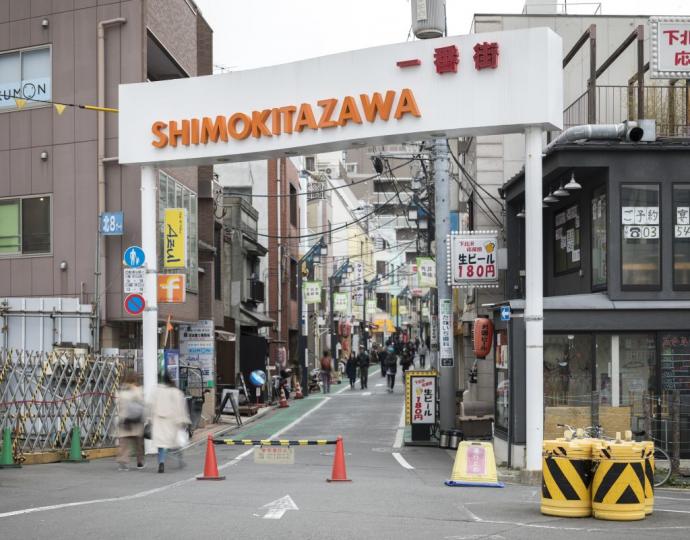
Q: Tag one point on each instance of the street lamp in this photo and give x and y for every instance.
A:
(317, 251)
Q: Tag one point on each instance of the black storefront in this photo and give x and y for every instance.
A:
(617, 292)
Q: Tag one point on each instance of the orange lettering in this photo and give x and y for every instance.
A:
(305, 118)
(406, 104)
(259, 127)
(246, 129)
(213, 130)
(287, 117)
(195, 131)
(275, 121)
(175, 132)
(157, 130)
(377, 105)
(349, 112)
(328, 106)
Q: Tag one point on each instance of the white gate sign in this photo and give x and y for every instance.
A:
(670, 47)
(473, 259)
(477, 84)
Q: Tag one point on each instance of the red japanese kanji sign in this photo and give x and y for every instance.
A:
(446, 59)
(486, 55)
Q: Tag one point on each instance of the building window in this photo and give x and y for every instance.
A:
(681, 237)
(566, 248)
(641, 233)
(293, 205)
(381, 268)
(309, 163)
(599, 231)
(293, 279)
(25, 74)
(172, 194)
(567, 370)
(25, 226)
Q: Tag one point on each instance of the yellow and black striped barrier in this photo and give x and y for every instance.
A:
(274, 442)
(648, 454)
(566, 478)
(618, 486)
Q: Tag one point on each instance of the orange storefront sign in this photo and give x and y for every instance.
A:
(171, 288)
(328, 113)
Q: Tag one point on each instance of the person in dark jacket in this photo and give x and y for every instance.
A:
(363, 364)
(406, 361)
(351, 370)
(391, 368)
(382, 359)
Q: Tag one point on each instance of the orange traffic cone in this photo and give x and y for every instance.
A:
(210, 465)
(298, 391)
(339, 474)
(283, 400)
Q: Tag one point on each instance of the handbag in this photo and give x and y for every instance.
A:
(147, 430)
(182, 438)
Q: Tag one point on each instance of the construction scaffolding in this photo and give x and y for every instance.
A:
(43, 395)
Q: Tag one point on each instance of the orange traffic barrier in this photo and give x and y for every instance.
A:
(210, 465)
(339, 474)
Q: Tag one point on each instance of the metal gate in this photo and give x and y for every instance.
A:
(43, 395)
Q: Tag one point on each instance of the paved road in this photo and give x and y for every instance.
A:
(390, 497)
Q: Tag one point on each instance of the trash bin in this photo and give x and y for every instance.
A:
(618, 492)
(443, 439)
(566, 477)
(454, 437)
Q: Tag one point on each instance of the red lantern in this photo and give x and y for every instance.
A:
(483, 337)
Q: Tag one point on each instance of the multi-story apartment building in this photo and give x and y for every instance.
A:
(59, 167)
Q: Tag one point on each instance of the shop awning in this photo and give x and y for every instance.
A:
(254, 318)
(222, 335)
(383, 325)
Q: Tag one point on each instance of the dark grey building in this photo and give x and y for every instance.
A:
(617, 292)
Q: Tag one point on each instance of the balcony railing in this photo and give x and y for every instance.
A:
(668, 105)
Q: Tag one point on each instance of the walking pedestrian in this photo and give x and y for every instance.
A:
(405, 361)
(363, 363)
(391, 367)
(170, 419)
(374, 355)
(422, 355)
(382, 359)
(351, 370)
(326, 367)
(130, 427)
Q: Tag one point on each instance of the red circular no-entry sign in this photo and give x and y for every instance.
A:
(134, 304)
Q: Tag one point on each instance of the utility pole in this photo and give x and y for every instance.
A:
(446, 363)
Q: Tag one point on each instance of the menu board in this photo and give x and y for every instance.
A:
(675, 362)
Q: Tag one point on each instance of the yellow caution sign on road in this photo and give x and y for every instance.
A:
(475, 465)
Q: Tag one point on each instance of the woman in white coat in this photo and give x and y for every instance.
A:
(169, 416)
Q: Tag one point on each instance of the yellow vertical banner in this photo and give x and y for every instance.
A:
(175, 238)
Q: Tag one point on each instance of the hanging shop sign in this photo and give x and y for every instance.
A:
(175, 238)
(341, 302)
(445, 324)
(172, 289)
(670, 47)
(400, 92)
(472, 256)
(371, 307)
(420, 397)
(426, 272)
(358, 280)
(402, 310)
(312, 292)
(483, 337)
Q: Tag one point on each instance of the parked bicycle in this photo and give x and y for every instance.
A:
(662, 461)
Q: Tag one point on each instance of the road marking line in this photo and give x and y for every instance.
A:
(277, 508)
(148, 492)
(402, 461)
(380, 384)
(672, 498)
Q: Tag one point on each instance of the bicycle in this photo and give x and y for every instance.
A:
(662, 461)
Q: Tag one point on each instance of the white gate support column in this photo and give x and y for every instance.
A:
(534, 299)
(149, 211)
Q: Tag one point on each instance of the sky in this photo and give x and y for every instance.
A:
(255, 33)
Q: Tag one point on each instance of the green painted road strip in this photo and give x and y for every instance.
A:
(264, 428)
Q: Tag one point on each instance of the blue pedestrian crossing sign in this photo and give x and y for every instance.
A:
(505, 313)
(134, 257)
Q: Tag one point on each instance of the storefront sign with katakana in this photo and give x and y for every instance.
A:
(473, 259)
